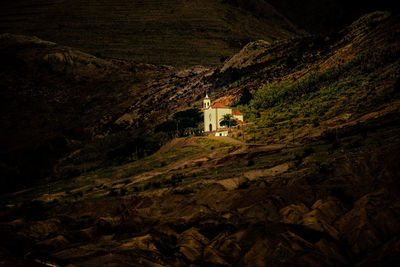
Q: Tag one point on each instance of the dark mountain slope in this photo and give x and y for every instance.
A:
(173, 32)
(324, 16)
(53, 97)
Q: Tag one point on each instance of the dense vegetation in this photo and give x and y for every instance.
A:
(322, 95)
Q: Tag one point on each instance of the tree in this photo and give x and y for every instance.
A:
(182, 123)
(189, 118)
(228, 120)
(245, 98)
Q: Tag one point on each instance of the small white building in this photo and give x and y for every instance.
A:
(221, 133)
(214, 114)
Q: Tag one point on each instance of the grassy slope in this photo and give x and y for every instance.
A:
(171, 32)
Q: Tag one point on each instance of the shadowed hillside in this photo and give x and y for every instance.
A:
(313, 181)
(323, 16)
(173, 32)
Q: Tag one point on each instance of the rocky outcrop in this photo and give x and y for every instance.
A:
(372, 222)
(293, 213)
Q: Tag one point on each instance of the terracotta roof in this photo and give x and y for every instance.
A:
(239, 121)
(234, 112)
(219, 106)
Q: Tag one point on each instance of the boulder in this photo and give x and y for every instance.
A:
(316, 220)
(261, 212)
(374, 219)
(331, 209)
(212, 257)
(293, 213)
(228, 246)
(191, 244)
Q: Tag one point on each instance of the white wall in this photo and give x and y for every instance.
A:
(209, 117)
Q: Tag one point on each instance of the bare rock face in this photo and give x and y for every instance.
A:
(373, 220)
(266, 211)
(191, 244)
(249, 55)
(293, 213)
(59, 58)
(141, 242)
(330, 209)
(228, 246)
(322, 216)
(363, 24)
(316, 220)
(212, 257)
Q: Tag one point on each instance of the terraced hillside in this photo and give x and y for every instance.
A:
(174, 32)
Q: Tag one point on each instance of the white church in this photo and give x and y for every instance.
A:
(214, 114)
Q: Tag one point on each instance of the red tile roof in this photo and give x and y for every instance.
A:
(219, 106)
(234, 112)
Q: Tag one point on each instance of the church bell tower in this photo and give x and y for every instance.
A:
(206, 102)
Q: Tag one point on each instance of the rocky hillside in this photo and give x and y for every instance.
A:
(311, 179)
(52, 99)
(173, 32)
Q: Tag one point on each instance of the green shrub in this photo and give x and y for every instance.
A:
(277, 93)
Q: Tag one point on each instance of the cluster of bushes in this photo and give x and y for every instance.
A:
(122, 146)
(278, 93)
(183, 123)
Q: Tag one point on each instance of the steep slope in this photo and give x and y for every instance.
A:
(173, 32)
